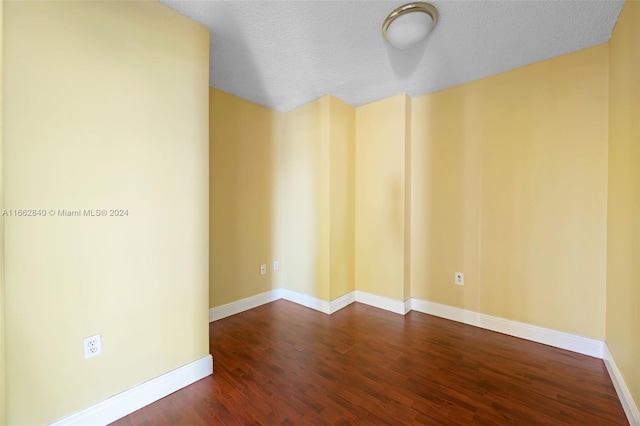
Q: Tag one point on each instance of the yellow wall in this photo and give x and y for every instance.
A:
(381, 174)
(2, 373)
(316, 183)
(623, 244)
(408, 174)
(242, 144)
(304, 178)
(342, 117)
(105, 106)
(509, 186)
(282, 188)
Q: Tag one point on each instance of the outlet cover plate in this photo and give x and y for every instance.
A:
(458, 278)
(92, 346)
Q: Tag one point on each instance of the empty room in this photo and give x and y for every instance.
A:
(319, 212)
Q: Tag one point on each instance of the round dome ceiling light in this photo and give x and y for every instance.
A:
(409, 24)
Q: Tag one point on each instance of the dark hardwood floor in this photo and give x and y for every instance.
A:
(282, 363)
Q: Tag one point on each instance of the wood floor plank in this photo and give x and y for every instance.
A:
(284, 364)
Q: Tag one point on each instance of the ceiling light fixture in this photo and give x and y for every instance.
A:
(409, 24)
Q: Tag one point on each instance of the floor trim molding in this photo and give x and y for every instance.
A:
(342, 302)
(306, 300)
(245, 304)
(628, 404)
(125, 403)
(558, 339)
(391, 305)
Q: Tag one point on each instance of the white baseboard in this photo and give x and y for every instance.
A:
(534, 333)
(374, 300)
(628, 404)
(242, 305)
(391, 305)
(342, 302)
(407, 306)
(125, 403)
(306, 300)
(312, 302)
(385, 303)
(558, 339)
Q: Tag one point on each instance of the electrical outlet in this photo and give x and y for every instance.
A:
(459, 278)
(92, 346)
(263, 269)
(276, 265)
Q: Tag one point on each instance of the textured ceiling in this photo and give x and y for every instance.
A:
(282, 54)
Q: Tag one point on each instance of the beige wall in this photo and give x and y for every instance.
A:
(623, 254)
(105, 107)
(509, 187)
(315, 193)
(342, 137)
(3, 410)
(282, 188)
(304, 178)
(242, 144)
(408, 188)
(381, 174)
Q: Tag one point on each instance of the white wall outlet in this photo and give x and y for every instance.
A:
(92, 346)
(276, 265)
(459, 278)
(263, 269)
